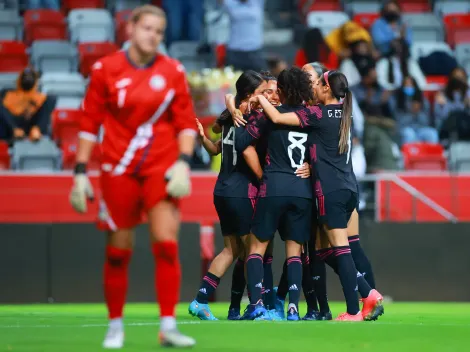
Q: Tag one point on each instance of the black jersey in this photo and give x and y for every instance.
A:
(235, 178)
(287, 150)
(332, 171)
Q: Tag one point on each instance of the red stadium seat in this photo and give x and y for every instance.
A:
(13, 56)
(91, 52)
(366, 19)
(4, 156)
(415, 5)
(43, 25)
(424, 156)
(68, 5)
(65, 125)
(306, 6)
(220, 55)
(440, 80)
(69, 150)
(121, 19)
(158, 3)
(462, 36)
(455, 23)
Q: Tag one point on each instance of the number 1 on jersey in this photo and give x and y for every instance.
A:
(230, 140)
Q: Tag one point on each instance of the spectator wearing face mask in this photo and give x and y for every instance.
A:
(392, 69)
(361, 57)
(389, 27)
(412, 114)
(455, 97)
(25, 112)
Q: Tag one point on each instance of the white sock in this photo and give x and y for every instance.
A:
(167, 323)
(291, 305)
(116, 323)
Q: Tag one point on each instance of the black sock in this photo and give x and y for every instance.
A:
(208, 285)
(363, 286)
(361, 261)
(254, 273)
(294, 279)
(238, 284)
(318, 273)
(283, 286)
(268, 282)
(329, 257)
(307, 284)
(348, 276)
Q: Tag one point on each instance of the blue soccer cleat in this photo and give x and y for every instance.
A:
(279, 305)
(202, 311)
(326, 316)
(254, 311)
(312, 315)
(234, 314)
(292, 313)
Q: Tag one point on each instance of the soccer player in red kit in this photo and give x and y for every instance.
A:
(142, 101)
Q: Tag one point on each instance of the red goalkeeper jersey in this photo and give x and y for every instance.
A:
(142, 111)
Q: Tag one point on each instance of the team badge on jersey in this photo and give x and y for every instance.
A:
(157, 82)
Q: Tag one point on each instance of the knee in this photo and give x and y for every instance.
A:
(430, 135)
(118, 257)
(408, 135)
(167, 250)
(229, 253)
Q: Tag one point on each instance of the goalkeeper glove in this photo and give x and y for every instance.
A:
(81, 190)
(178, 176)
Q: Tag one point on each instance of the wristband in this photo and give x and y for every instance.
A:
(80, 168)
(185, 157)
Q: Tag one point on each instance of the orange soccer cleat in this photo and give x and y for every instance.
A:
(350, 317)
(372, 306)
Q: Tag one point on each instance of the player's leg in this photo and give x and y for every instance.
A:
(268, 281)
(281, 292)
(361, 260)
(294, 278)
(238, 283)
(308, 287)
(164, 222)
(119, 213)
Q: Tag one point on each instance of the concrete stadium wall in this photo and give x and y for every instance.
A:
(63, 263)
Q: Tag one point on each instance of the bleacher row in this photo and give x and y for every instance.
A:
(63, 46)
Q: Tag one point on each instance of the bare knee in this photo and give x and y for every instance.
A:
(122, 238)
(164, 221)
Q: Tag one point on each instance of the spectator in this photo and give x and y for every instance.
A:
(341, 39)
(245, 46)
(456, 96)
(315, 49)
(43, 4)
(185, 19)
(276, 65)
(412, 113)
(389, 27)
(25, 112)
(392, 69)
(360, 57)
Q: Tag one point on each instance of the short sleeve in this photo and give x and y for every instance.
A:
(309, 116)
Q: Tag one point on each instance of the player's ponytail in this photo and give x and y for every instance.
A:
(340, 90)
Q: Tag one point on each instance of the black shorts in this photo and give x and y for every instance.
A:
(290, 215)
(235, 215)
(335, 208)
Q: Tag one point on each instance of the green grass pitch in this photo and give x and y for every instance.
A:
(81, 327)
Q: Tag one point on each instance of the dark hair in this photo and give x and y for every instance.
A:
(404, 55)
(455, 84)
(273, 62)
(386, 3)
(340, 90)
(401, 99)
(314, 46)
(246, 85)
(267, 76)
(295, 86)
(318, 67)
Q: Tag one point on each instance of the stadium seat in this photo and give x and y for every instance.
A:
(65, 125)
(454, 23)
(4, 156)
(64, 85)
(54, 56)
(120, 19)
(187, 53)
(367, 6)
(326, 20)
(275, 37)
(425, 48)
(89, 53)
(425, 26)
(462, 36)
(157, 3)
(462, 53)
(68, 5)
(69, 151)
(120, 5)
(8, 80)
(306, 6)
(13, 57)
(41, 156)
(43, 25)
(424, 156)
(366, 19)
(415, 6)
(11, 25)
(459, 156)
(90, 25)
(218, 27)
(451, 7)
(69, 102)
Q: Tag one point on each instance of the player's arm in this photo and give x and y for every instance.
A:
(251, 157)
(289, 119)
(92, 114)
(184, 120)
(237, 115)
(211, 147)
(246, 136)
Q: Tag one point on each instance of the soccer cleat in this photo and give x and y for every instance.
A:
(279, 305)
(372, 306)
(270, 315)
(292, 313)
(254, 311)
(173, 338)
(234, 314)
(114, 338)
(350, 317)
(202, 311)
(312, 315)
(326, 316)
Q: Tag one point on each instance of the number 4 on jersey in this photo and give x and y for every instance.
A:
(230, 140)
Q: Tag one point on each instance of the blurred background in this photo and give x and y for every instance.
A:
(407, 63)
